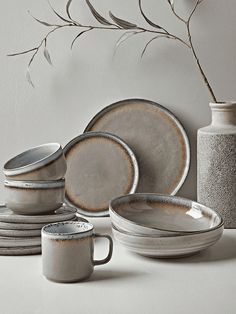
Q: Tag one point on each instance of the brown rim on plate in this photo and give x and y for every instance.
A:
(100, 166)
(157, 138)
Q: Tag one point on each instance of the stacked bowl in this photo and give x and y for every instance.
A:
(34, 192)
(164, 226)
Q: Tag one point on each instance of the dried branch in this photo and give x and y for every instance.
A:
(77, 36)
(148, 20)
(195, 54)
(117, 24)
(172, 6)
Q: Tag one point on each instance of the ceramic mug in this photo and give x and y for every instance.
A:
(67, 251)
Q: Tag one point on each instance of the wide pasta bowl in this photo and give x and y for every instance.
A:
(167, 247)
(161, 215)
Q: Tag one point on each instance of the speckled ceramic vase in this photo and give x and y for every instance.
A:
(216, 158)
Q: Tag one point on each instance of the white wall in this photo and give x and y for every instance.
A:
(84, 80)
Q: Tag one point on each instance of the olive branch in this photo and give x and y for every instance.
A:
(127, 28)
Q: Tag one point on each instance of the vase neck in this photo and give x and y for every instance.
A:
(223, 114)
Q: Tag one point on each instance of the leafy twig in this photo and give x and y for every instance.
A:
(117, 24)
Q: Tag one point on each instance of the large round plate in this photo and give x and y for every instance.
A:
(100, 166)
(157, 138)
(63, 213)
(29, 250)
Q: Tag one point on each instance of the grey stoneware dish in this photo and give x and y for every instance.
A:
(162, 215)
(44, 162)
(168, 247)
(100, 167)
(68, 249)
(23, 250)
(157, 138)
(20, 233)
(9, 242)
(63, 213)
(34, 197)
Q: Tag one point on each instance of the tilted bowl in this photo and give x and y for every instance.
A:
(44, 162)
(161, 215)
(34, 197)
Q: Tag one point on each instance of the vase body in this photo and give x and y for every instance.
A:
(216, 162)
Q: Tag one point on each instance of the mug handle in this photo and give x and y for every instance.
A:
(108, 258)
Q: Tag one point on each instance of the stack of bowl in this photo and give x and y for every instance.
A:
(163, 226)
(34, 185)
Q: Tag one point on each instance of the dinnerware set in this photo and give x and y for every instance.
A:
(128, 152)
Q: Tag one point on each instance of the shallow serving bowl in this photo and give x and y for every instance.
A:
(168, 247)
(161, 215)
(34, 197)
(44, 162)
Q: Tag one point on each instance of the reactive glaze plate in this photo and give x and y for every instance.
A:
(63, 213)
(168, 247)
(157, 138)
(29, 250)
(19, 242)
(20, 233)
(162, 215)
(100, 166)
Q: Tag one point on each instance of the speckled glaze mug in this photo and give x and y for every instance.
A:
(67, 251)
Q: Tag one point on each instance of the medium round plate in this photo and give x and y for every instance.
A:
(157, 138)
(63, 213)
(100, 166)
(20, 233)
(30, 226)
(19, 242)
(29, 250)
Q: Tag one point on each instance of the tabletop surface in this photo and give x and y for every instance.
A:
(203, 283)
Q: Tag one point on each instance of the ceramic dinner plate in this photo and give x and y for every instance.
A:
(29, 250)
(19, 242)
(63, 213)
(157, 138)
(100, 166)
(20, 233)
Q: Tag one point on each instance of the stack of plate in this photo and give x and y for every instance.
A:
(21, 234)
(164, 226)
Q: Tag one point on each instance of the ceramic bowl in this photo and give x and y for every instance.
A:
(34, 197)
(161, 215)
(168, 247)
(44, 162)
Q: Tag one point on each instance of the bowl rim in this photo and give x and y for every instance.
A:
(181, 232)
(34, 165)
(46, 184)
